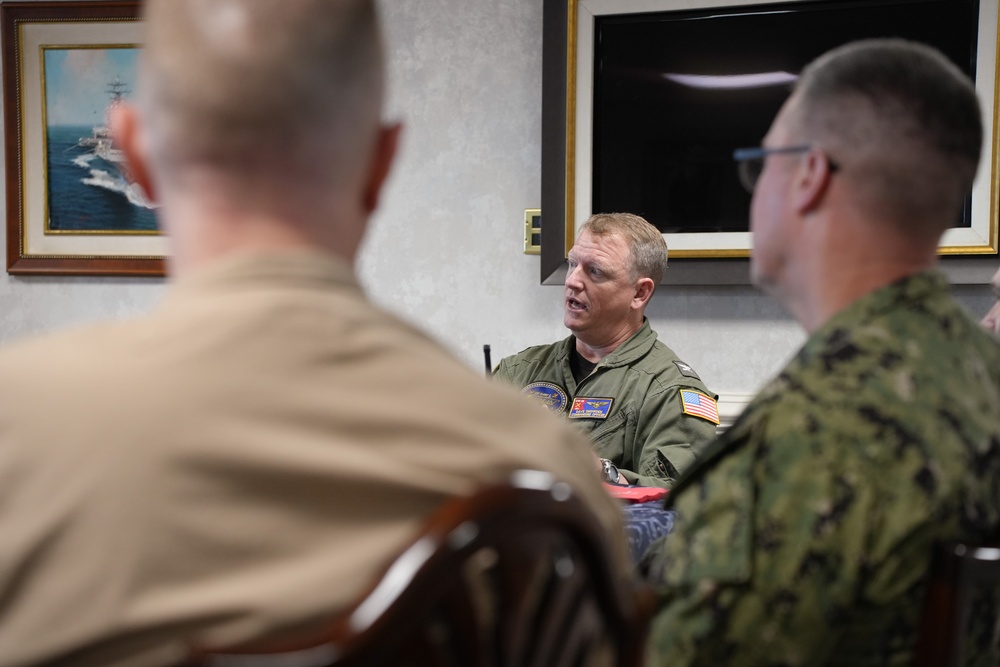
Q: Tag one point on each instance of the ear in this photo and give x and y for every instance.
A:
(124, 123)
(992, 319)
(811, 181)
(385, 153)
(643, 290)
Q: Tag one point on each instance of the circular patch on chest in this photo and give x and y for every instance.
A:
(552, 396)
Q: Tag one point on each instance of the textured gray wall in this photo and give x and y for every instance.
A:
(445, 249)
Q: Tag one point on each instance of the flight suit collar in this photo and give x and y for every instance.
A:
(635, 347)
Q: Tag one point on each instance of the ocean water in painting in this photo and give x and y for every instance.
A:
(87, 193)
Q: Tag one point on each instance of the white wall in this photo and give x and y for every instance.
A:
(445, 251)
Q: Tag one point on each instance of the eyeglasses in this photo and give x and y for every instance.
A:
(751, 161)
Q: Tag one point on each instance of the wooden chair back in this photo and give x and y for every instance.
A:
(515, 575)
(961, 615)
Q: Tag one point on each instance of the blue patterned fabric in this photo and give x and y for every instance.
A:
(644, 524)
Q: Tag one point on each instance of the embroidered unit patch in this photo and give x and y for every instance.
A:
(699, 405)
(550, 395)
(590, 408)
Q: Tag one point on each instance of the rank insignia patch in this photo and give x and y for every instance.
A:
(686, 370)
(590, 408)
(699, 405)
(550, 395)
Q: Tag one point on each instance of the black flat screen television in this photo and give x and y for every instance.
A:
(665, 124)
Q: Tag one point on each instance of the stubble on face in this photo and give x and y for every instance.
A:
(770, 253)
(598, 289)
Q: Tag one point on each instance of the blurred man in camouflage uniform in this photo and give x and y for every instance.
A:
(804, 534)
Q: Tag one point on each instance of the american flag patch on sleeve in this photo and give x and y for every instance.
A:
(699, 405)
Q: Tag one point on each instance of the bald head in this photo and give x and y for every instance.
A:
(262, 90)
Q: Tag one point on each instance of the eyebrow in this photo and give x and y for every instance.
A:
(600, 266)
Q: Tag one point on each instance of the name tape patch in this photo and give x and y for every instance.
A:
(591, 408)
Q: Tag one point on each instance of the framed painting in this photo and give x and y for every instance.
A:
(644, 102)
(72, 207)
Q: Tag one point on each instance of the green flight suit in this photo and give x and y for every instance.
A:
(644, 430)
(804, 535)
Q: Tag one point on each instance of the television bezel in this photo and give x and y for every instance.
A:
(567, 86)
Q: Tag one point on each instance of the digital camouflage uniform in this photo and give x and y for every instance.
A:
(648, 429)
(804, 534)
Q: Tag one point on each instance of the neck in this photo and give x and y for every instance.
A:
(832, 299)
(853, 261)
(595, 350)
(207, 229)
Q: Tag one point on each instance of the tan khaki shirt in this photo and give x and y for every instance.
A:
(242, 459)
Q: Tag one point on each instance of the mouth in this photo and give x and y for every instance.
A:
(575, 305)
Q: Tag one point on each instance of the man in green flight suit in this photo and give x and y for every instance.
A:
(804, 534)
(647, 413)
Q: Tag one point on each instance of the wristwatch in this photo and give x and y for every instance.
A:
(611, 473)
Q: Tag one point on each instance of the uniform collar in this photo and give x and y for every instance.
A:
(635, 347)
(916, 287)
(299, 267)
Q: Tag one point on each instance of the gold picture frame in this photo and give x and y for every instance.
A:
(71, 206)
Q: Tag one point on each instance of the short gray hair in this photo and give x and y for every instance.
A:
(647, 249)
(903, 120)
(266, 87)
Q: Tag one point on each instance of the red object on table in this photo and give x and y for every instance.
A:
(635, 494)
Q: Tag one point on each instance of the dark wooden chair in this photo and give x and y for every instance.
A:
(515, 575)
(962, 609)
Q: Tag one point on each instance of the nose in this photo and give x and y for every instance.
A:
(573, 278)
(992, 319)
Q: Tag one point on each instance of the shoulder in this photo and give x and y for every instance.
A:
(525, 362)
(67, 374)
(669, 370)
(901, 366)
(839, 444)
(88, 345)
(539, 352)
(783, 459)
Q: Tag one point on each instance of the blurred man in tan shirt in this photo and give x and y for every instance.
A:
(245, 458)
